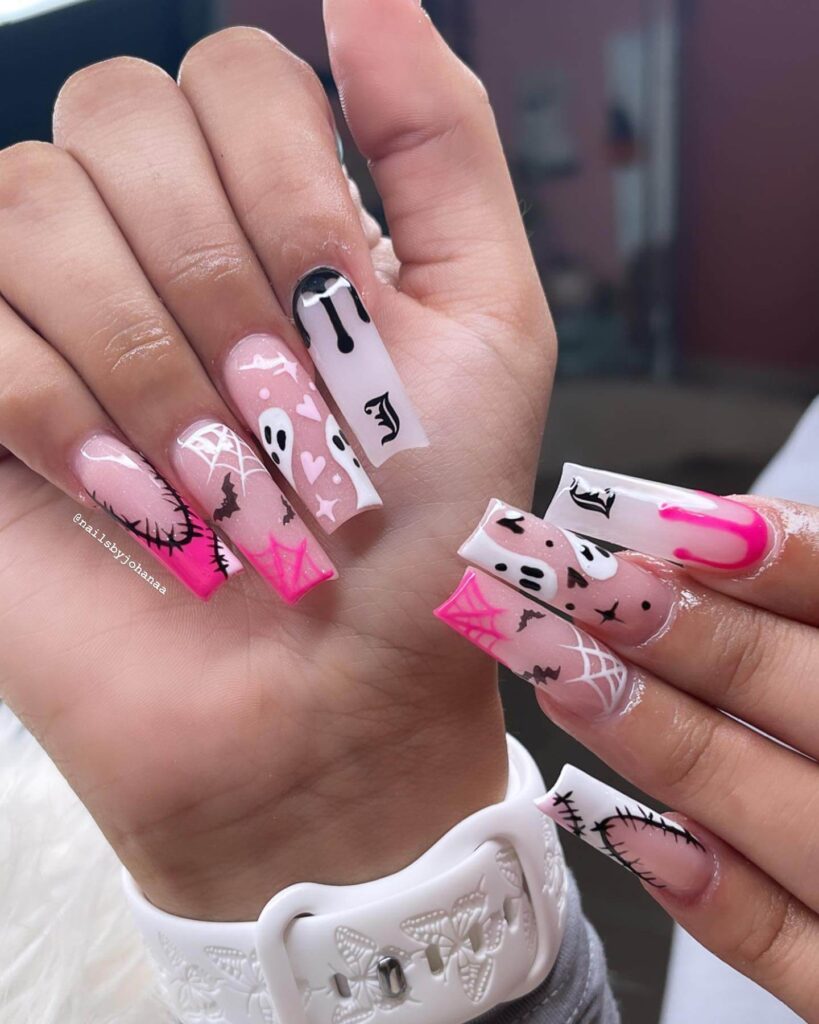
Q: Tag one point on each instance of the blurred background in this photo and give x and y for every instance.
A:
(666, 157)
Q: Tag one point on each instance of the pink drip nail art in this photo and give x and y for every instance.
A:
(573, 575)
(661, 852)
(226, 475)
(579, 673)
(299, 433)
(693, 527)
(131, 491)
(353, 362)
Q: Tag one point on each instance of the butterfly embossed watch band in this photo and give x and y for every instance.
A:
(350, 355)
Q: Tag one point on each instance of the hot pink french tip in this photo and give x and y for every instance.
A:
(227, 478)
(555, 656)
(307, 446)
(622, 601)
(694, 527)
(157, 517)
(660, 851)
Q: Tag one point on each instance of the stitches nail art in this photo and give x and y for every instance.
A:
(226, 475)
(550, 653)
(661, 852)
(692, 527)
(130, 490)
(570, 573)
(298, 431)
(350, 355)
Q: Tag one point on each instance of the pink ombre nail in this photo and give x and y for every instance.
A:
(660, 851)
(131, 491)
(228, 479)
(693, 527)
(576, 671)
(302, 437)
(572, 574)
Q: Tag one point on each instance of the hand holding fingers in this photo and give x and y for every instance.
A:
(647, 704)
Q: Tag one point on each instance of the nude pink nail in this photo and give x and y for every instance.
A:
(661, 852)
(284, 409)
(692, 527)
(574, 575)
(227, 478)
(576, 671)
(130, 490)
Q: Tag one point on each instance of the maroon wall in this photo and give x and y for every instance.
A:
(749, 216)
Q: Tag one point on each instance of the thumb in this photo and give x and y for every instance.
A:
(423, 120)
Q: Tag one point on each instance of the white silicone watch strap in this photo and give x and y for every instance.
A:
(476, 921)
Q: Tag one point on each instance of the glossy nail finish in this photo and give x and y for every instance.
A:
(228, 479)
(623, 601)
(658, 850)
(131, 491)
(576, 671)
(693, 527)
(299, 433)
(349, 354)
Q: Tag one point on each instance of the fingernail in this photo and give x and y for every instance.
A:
(299, 433)
(131, 491)
(228, 479)
(572, 574)
(658, 850)
(692, 527)
(576, 671)
(349, 354)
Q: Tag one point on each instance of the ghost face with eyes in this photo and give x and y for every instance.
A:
(340, 450)
(276, 432)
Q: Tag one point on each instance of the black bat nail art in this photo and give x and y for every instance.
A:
(289, 514)
(230, 503)
(592, 500)
(385, 415)
(511, 522)
(526, 617)
(542, 675)
(574, 579)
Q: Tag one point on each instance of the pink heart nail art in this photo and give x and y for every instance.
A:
(313, 466)
(307, 409)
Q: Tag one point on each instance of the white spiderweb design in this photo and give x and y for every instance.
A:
(221, 448)
(602, 671)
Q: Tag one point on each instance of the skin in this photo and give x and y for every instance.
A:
(228, 750)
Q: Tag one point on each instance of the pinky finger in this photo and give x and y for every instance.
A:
(723, 900)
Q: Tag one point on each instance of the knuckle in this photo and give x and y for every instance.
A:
(135, 344)
(29, 167)
(205, 262)
(235, 46)
(768, 944)
(740, 653)
(687, 767)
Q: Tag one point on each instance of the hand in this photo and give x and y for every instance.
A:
(230, 749)
(732, 634)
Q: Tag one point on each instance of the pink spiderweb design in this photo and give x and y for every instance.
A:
(292, 571)
(469, 613)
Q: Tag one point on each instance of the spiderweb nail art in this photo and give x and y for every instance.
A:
(468, 612)
(221, 448)
(290, 570)
(602, 671)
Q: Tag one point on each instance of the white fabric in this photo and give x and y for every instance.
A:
(700, 987)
